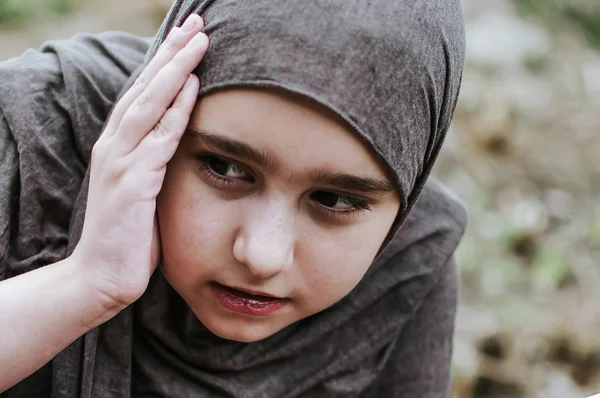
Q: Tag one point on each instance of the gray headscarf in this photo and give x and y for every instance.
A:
(390, 69)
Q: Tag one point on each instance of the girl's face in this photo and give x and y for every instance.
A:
(272, 210)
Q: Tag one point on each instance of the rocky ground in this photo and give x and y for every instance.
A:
(524, 154)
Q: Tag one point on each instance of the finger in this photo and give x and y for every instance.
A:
(160, 144)
(175, 41)
(150, 106)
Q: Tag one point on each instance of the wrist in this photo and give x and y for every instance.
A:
(101, 302)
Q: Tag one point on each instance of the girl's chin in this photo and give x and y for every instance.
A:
(230, 325)
(235, 330)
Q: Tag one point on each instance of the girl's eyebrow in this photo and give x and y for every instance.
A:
(237, 148)
(366, 185)
(241, 150)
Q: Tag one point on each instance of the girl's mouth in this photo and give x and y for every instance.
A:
(246, 303)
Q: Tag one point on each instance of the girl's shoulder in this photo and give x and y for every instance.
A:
(79, 78)
(85, 52)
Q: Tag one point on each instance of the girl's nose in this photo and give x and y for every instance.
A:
(265, 242)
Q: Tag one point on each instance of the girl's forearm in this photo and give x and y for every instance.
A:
(42, 312)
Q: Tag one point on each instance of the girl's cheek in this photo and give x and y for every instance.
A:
(331, 264)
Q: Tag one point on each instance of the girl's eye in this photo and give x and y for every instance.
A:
(339, 204)
(226, 168)
(224, 171)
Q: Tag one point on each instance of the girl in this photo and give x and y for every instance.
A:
(288, 263)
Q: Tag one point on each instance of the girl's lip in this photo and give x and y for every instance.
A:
(253, 292)
(247, 303)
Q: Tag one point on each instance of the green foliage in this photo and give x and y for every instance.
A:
(12, 10)
(16, 10)
(588, 21)
(547, 10)
(583, 15)
(62, 6)
(549, 269)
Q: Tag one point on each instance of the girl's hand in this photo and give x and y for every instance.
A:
(120, 245)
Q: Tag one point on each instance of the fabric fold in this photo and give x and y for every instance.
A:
(390, 70)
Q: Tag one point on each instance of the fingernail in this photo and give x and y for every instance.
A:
(188, 81)
(190, 23)
(199, 42)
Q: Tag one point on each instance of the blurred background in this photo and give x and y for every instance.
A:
(523, 154)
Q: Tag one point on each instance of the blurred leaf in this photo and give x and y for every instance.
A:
(582, 15)
(15, 10)
(549, 269)
(12, 10)
(61, 6)
(543, 9)
(588, 21)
